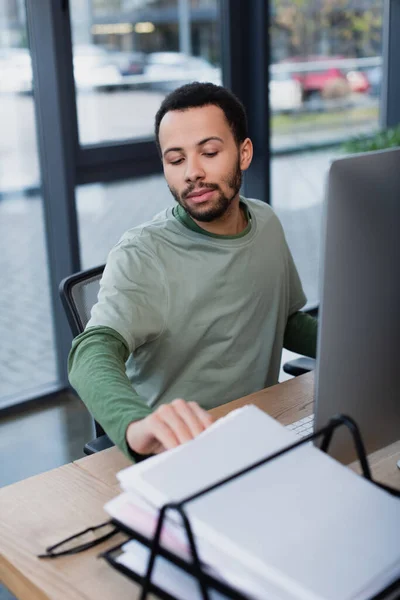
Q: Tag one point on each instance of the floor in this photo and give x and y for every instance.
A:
(5, 594)
(42, 438)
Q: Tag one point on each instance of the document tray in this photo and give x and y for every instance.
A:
(194, 567)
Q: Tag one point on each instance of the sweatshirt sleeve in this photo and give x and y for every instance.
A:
(301, 334)
(96, 367)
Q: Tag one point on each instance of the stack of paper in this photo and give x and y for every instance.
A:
(299, 527)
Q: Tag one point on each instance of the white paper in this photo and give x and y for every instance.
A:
(232, 443)
(303, 522)
(133, 511)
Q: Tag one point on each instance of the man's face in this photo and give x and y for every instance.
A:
(202, 161)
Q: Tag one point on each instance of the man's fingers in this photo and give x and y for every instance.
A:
(202, 415)
(190, 418)
(174, 424)
(160, 430)
(172, 417)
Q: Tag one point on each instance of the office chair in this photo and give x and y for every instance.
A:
(304, 364)
(78, 294)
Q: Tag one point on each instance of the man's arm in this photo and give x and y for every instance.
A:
(97, 372)
(301, 334)
(96, 368)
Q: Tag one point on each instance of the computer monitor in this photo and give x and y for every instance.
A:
(358, 356)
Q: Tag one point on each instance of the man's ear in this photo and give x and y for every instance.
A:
(246, 154)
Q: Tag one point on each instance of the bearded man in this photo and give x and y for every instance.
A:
(194, 306)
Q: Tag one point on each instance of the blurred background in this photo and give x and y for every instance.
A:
(80, 84)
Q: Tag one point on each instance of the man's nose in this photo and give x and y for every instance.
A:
(194, 170)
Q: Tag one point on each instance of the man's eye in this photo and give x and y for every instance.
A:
(176, 162)
(209, 154)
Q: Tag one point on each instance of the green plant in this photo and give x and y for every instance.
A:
(389, 138)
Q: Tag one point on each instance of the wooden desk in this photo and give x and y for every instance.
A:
(41, 510)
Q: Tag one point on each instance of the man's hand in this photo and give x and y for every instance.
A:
(167, 427)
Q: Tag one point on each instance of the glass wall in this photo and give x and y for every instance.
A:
(27, 355)
(326, 61)
(325, 84)
(106, 211)
(127, 55)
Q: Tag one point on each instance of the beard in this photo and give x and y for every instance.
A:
(219, 206)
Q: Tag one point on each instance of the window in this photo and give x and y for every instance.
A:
(128, 55)
(325, 78)
(325, 71)
(106, 211)
(27, 354)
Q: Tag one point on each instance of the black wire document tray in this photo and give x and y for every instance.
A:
(208, 585)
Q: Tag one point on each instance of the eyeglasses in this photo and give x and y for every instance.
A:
(79, 542)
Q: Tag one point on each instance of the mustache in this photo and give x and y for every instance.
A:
(193, 186)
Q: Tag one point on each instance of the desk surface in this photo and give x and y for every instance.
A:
(43, 509)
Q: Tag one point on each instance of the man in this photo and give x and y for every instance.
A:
(197, 303)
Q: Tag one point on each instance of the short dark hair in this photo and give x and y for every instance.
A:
(197, 94)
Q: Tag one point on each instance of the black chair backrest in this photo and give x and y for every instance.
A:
(78, 294)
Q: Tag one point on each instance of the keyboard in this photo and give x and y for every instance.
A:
(303, 427)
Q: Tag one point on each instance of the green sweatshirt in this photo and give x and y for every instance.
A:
(103, 363)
